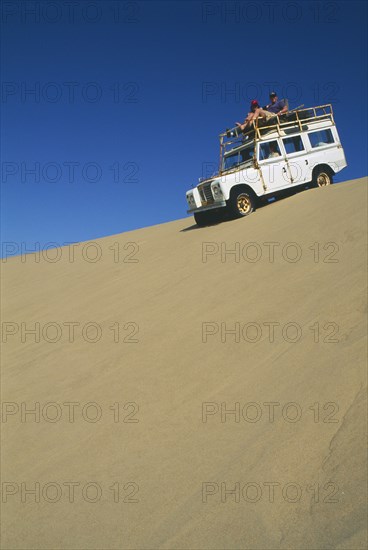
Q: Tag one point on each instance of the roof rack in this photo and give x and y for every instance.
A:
(280, 123)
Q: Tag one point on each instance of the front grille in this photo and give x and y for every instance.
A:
(206, 193)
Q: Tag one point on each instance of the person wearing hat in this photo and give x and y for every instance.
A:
(253, 114)
(277, 106)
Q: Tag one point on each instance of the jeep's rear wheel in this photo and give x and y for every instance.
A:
(322, 178)
(242, 203)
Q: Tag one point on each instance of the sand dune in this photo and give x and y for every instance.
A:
(145, 343)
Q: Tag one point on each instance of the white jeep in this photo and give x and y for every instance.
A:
(290, 150)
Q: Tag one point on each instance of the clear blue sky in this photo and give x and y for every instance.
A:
(129, 98)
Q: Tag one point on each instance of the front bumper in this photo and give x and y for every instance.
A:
(214, 206)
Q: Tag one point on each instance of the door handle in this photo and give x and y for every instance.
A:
(306, 162)
(284, 169)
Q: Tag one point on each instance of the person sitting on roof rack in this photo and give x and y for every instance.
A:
(277, 106)
(254, 106)
(256, 111)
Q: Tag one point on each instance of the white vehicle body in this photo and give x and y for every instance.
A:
(290, 151)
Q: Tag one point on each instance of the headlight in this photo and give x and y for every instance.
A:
(190, 200)
(217, 190)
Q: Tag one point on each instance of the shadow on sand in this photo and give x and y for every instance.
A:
(261, 204)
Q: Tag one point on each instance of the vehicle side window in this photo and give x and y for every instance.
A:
(293, 144)
(246, 154)
(269, 150)
(322, 137)
(231, 160)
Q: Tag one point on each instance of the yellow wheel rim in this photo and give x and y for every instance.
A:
(323, 180)
(243, 204)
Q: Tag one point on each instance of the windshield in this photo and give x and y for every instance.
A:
(238, 157)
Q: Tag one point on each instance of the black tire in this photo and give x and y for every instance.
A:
(206, 218)
(242, 203)
(322, 177)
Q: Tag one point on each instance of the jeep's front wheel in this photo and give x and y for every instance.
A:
(242, 203)
(322, 178)
(206, 218)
